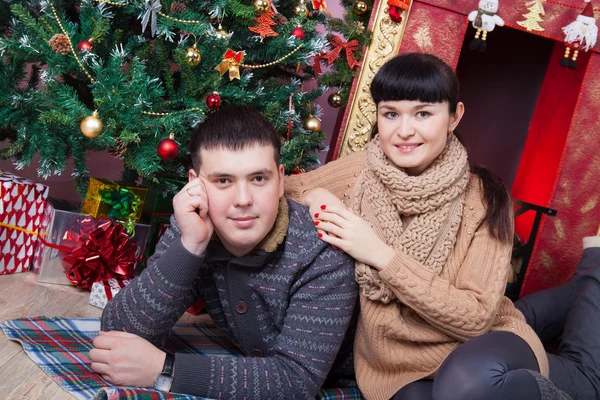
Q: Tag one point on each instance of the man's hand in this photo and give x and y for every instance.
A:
(125, 359)
(191, 212)
(353, 235)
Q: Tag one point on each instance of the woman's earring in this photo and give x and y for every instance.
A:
(449, 137)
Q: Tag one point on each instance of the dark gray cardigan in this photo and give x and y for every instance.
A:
(287, 311)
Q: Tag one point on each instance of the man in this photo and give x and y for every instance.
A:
(283, 296)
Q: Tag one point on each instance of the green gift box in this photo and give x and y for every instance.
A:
(107, 199)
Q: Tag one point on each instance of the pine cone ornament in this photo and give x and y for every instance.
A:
(119, 149)
(178, 7)
(280, 19)
(60, 44)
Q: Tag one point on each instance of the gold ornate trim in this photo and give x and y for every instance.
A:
(385, 43)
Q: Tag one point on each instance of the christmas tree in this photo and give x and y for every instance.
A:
(533, 17)
(348, 38)
(136, 76)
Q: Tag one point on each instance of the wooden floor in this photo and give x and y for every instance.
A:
(22, 296)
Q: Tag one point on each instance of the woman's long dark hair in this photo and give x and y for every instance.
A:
(426, 78)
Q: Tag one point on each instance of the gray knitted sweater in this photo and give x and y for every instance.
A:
(287, 312)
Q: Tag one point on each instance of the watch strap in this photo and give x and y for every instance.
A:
(168, 365)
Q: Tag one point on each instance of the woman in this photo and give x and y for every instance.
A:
(432, 237)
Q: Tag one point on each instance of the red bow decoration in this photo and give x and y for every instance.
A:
(339, 45)
(108, 252)
(322, 6)
(231, 62)
(238, 57)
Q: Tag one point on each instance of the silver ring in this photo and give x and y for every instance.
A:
(188, 192)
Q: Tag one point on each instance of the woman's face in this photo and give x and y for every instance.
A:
(413, 133)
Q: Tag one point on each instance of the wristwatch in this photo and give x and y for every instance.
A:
(165, 380)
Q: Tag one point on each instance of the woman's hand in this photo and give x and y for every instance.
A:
(315, 198)
(353, 235)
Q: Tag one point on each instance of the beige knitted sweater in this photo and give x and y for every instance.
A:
(401, 342)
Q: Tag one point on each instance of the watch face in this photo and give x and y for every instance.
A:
(163, 383)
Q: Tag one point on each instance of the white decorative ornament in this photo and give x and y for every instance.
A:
(484, 19)
(580, 35)
(152, 8)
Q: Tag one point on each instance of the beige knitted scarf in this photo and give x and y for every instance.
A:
(430, 205)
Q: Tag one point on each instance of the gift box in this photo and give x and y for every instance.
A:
(103, 292)
(22, 204)
(69, 235)
(111, 200)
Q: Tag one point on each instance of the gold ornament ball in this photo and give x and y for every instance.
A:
(221, 33)
(91, 126)
(312, 124)
(300, 10)
(261, 6)
(335, 99)
(193, 56)
(360, 7)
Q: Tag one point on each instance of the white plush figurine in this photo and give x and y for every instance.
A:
(484, 19)
(580, 34)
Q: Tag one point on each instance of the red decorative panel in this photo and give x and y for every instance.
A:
(576, 193)
(557, 13)
(434, 30)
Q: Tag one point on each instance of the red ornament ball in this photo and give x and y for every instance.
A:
(84, 45)
(213, 101)
(168, 149)
(395, 14)
(298, 33)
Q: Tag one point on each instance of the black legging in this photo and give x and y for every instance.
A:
(492, 366)
(489, 367)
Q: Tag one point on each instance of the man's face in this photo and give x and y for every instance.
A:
(243, 188)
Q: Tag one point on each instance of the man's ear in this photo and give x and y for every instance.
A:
(281, 179)
(192, 175)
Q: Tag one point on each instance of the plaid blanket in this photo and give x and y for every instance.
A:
(60, 346)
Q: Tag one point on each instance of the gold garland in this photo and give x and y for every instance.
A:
(183, 21)
(273, 62)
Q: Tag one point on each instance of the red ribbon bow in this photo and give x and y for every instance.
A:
(317, 4)
(339, 45)
(232, 54)
(108, 252)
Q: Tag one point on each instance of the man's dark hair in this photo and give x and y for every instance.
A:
(233, 128)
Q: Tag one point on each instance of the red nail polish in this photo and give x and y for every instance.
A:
(316, 215)
(320, 235)
(323, 207)
(317, 223)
